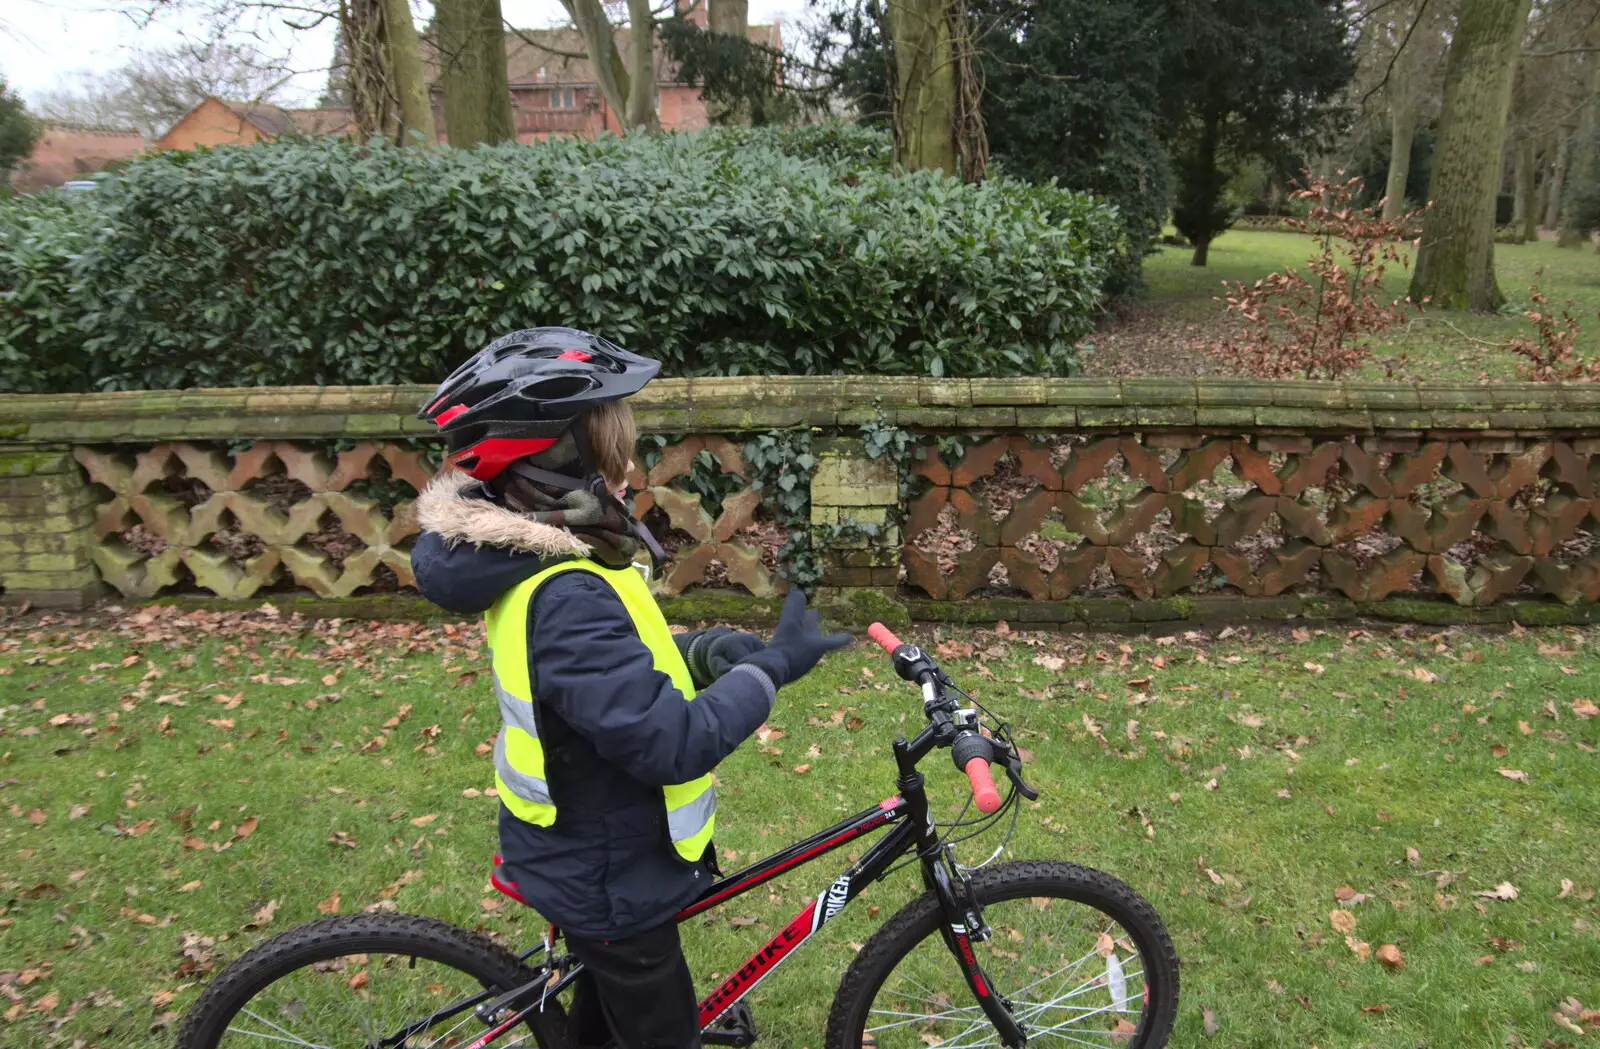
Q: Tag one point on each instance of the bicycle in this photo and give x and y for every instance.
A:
(987, 955)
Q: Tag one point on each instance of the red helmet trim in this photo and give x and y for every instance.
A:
(574, 355)
(494, 454)
(449, 413)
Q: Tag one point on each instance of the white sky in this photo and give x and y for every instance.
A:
(44, 44)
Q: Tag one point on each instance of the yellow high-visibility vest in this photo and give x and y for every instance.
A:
(518, 752)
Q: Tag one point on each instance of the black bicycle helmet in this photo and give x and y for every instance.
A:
(519, 394)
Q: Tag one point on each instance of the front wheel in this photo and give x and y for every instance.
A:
(1078, 957)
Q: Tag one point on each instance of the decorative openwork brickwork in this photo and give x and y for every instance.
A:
(237, 523)
(709, 540)
(1162, 514)
(1116, 501)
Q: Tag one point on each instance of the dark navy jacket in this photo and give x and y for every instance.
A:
(614, 729)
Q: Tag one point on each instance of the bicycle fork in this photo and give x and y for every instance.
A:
(963, 923)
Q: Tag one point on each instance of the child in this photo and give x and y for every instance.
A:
(603, 760)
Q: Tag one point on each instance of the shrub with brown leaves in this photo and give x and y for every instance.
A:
(1317, 322)
(1552, 355)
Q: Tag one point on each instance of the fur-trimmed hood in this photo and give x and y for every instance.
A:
(471, 551)
(457, 508)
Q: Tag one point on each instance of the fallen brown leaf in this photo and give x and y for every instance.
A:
(1390, 957)
(1504, 891)
(331, 904)
(1516, 774)
(264, 915)
(1564, 1023)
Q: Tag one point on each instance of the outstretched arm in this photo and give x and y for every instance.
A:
(590, 666)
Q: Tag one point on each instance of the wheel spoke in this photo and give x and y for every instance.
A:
(1067, 973)
(376, 994)
(273, 1038)
(292, 1038)
(1053, 1033)
(466, 1017)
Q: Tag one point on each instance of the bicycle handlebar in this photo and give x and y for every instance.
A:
(884, 637)
(983, 792)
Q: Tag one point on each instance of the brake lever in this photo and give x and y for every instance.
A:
(1013, 764)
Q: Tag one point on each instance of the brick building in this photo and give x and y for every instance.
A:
(72, 151)
(552, 93)
(215, 122)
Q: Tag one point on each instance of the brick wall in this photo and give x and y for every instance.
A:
(66, 152)
(1041, 501)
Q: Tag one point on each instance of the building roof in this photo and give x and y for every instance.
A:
(328, 120)
(88, 129)
(268, 119)
(276, 121)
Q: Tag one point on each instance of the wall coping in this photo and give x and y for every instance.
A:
(766, 402)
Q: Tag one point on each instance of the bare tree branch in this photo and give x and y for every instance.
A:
(1422, 9)
(522, 34)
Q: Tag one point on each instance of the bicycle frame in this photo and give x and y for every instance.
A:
(911, 829)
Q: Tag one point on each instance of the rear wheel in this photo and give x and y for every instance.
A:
(364, 980)
(1079, 958)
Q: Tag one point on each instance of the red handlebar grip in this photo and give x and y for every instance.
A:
(983, 791)
(884, 637)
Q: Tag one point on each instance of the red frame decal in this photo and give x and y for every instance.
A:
(761, 963)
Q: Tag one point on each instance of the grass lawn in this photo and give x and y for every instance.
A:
(1181, 309)
(165, 774)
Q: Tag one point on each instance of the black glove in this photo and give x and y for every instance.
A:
(710, 653)
(796, 645)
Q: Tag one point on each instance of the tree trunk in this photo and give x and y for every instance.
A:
(1455, 262)
(1527, 209)
(472, 72)
(1403, 130)
(367, 69)
(611, 75)
(642, 66)
(1581, 162)
(925, 88)
(729, 16)
(1552, 196)
(405, 62)
(1196, 212)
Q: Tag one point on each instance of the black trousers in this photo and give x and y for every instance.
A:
(635, 993)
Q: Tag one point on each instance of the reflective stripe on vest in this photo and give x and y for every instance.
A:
(518, 752)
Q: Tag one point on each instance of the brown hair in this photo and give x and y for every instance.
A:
(612, 436)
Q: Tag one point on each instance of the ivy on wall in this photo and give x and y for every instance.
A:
(783, 464)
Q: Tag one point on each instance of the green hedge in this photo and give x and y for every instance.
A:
(40, 349)
(721, 252)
